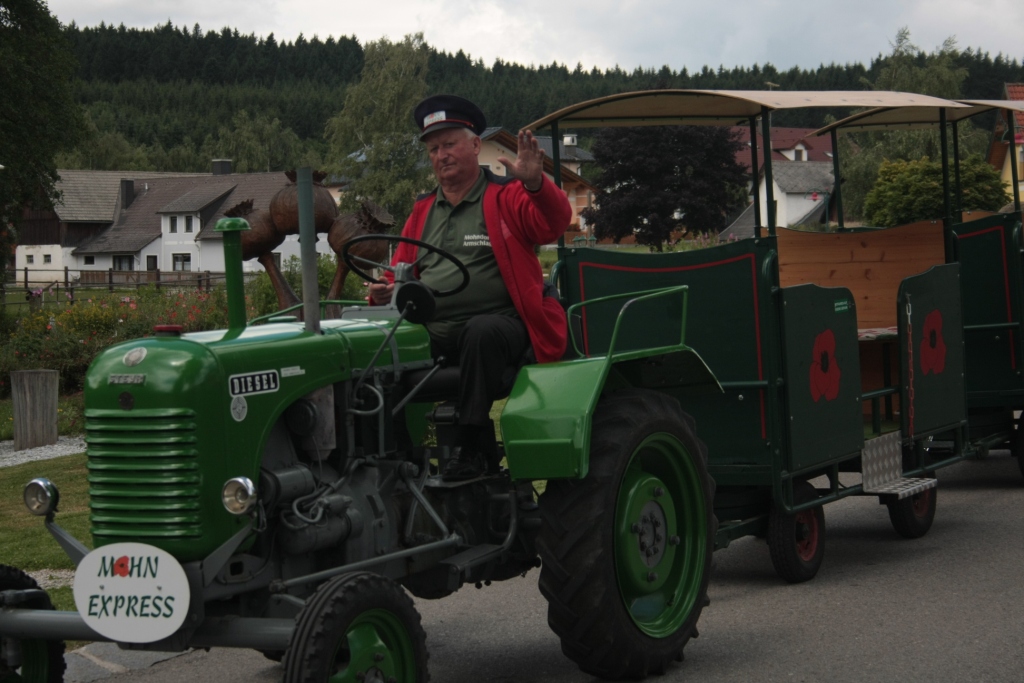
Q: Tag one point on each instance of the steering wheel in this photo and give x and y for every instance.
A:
(351, 258)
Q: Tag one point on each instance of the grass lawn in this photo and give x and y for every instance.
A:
(24, 541)
(70, 416)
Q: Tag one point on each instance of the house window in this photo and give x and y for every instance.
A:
(188, 223)
(124, 262)
(47, 258)
(89, 260)
(151, 262)
(798, 155)
(30, 259)
(174, 224)
(182, 262)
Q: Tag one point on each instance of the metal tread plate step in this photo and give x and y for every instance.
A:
(882, 468)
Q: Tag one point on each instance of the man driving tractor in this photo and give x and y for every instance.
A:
(491, 224)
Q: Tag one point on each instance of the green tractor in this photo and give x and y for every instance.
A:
(275, 486)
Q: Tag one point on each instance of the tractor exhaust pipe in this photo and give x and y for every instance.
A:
(307, 249)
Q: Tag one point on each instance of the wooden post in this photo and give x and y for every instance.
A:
(110, 279)
(34, 394)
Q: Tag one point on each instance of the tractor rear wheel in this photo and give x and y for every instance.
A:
(912, 517)
(797, 541)
(39, 661)
(357, 627)
(626, 551)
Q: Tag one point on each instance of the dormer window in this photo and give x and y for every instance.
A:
(188, 223)
(798, 155)
(173, 224)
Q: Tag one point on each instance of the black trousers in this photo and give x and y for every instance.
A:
(490, 347)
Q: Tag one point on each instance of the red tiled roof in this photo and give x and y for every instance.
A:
(818, 148)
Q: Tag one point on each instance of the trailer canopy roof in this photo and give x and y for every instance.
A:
(907, 118)
(718, 107)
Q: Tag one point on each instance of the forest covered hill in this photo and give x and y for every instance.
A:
(171, 98)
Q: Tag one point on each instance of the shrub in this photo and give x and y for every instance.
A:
(67, 340)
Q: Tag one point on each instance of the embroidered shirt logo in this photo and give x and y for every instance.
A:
(477, 241)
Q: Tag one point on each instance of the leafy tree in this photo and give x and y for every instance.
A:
(374, 139)
(907, 69)
(908, 191)
(38, 114)
(257, 144)
(656, 180)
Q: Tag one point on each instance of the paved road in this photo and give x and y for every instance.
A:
(947, 607)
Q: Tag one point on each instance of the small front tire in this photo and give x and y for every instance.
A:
(357, 627)
(797, 541)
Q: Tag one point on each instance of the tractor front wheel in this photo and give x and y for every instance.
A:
(626, 551)
(797, 541)
(30, 660)
(357, 627)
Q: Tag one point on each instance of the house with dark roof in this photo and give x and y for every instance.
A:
(803, 196)
(90, 202)
(999, 149)
(152, 222)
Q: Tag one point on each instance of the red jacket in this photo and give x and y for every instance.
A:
(516, 221)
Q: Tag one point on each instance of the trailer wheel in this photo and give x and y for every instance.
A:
(1017, 446)
(42, 661)
(797, 542)
(357, 627)
(626, 551)
(912, 517)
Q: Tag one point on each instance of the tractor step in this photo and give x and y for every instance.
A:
(882, 468)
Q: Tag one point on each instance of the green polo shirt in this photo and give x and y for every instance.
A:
(460, 231)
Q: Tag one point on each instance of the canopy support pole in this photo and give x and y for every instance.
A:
(556, 159)
(1012, 127)
(838, 191)
(956, 175)
(769, 192)
(754, 185)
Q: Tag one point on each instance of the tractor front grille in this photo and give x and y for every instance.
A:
(144, 475)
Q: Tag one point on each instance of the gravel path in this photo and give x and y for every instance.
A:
(66, 445)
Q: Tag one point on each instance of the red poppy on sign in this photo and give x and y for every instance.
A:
(121, 566)
(824, 368)
(933, 346)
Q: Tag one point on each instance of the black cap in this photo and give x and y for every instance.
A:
(448, 111)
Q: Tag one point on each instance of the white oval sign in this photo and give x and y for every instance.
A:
(131, 592)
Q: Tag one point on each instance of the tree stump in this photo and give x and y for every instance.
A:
(35, 408)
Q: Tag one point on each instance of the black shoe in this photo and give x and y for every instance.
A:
(462, 465)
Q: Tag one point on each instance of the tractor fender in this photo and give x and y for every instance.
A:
(547, 420)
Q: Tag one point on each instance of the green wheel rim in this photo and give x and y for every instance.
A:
(660, 535)
(377, 646)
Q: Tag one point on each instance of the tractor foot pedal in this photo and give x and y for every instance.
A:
(882, 468)
(471, 557)
(436, 482)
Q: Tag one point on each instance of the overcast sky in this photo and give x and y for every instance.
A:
(602, 33)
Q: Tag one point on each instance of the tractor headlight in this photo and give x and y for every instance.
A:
(238, 495)
(41, 497)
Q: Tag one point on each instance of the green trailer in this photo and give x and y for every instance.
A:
(799, 422)
(988, 251)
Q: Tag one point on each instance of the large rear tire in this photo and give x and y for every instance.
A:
(357, 627)
(42, 661)
(627, 550)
